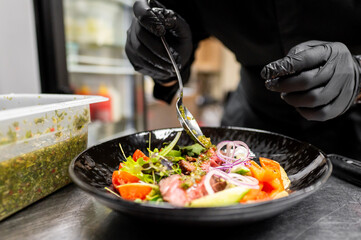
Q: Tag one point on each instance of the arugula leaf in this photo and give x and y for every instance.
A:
(168, 148)
(174, 153)
(192, 150)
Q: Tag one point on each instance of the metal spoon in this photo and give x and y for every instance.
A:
(186, 119)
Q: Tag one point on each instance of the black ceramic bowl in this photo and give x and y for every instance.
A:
(306, 166)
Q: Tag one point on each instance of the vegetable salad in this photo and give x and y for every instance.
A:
(193, 176)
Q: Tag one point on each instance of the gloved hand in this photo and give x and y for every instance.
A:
(145, 49)
(320, 79)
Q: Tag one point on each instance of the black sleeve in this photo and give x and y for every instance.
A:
(189, 11)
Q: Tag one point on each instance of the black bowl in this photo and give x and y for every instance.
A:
(306, 166)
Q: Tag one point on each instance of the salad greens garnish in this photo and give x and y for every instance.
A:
(111, 191)
(120, 146)
(162, 163)
(171, 145)
(192, 150)
(136, 168)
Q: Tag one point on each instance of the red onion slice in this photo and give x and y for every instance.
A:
(233, 178)
(231, 156)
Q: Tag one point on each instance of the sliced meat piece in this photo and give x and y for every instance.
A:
(196, 191)
(214, 160)
(186, 167)
(205, 165)
(191, 159)
(172, 192)
(217, 184)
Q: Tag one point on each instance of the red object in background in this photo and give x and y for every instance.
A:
(85, 90)
(103, 110)
(99, 111)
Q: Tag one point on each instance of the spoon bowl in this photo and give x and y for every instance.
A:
(186, 119)
(188, 122)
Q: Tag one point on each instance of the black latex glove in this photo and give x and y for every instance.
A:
(145, 49)
(320, 79)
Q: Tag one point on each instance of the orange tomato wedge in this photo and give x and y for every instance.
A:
(272, 169)
(121, 177)
(255, 195)
(257, 171)
(269, 176)
(133, 191)
(120, 165)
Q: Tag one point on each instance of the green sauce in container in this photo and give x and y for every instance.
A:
(39, 136)
(29, 177)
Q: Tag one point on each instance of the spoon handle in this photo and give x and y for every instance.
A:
(180, 82)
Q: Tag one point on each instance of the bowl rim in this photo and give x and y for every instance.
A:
(295, 196)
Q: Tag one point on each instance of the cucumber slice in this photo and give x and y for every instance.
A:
(240, 169)
(223, 198)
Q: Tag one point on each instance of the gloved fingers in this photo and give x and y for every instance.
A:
(303, 81)
(148, 19)
(158, 20)
(144, 47)
(172, 21)
(304, 46)
(146, 68)
(179, 28)
(150, 46)
(177, 38)
(138, 48)
(146, 64)
(325, 112)
(337, 88)
(298, 62)
(316, 114)
(166, 16)
(311, 98)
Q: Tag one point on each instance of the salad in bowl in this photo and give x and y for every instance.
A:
(224, 174)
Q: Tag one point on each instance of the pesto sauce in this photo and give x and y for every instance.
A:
(205, 141)
(181, 109)
(29, 177)
(197, 174)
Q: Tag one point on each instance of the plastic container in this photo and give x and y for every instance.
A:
(39, 135)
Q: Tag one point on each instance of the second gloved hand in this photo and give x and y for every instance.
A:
(320, 79)
(145, 49)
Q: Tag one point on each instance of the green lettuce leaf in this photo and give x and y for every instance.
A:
(135, 168)
(192, 150)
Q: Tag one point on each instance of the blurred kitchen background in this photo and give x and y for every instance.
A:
(77, 46)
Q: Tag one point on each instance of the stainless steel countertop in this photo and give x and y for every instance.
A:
(334, 212)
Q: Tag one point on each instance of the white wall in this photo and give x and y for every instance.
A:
(19, 72)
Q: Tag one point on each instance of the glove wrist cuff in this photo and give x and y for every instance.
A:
(167, 93)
